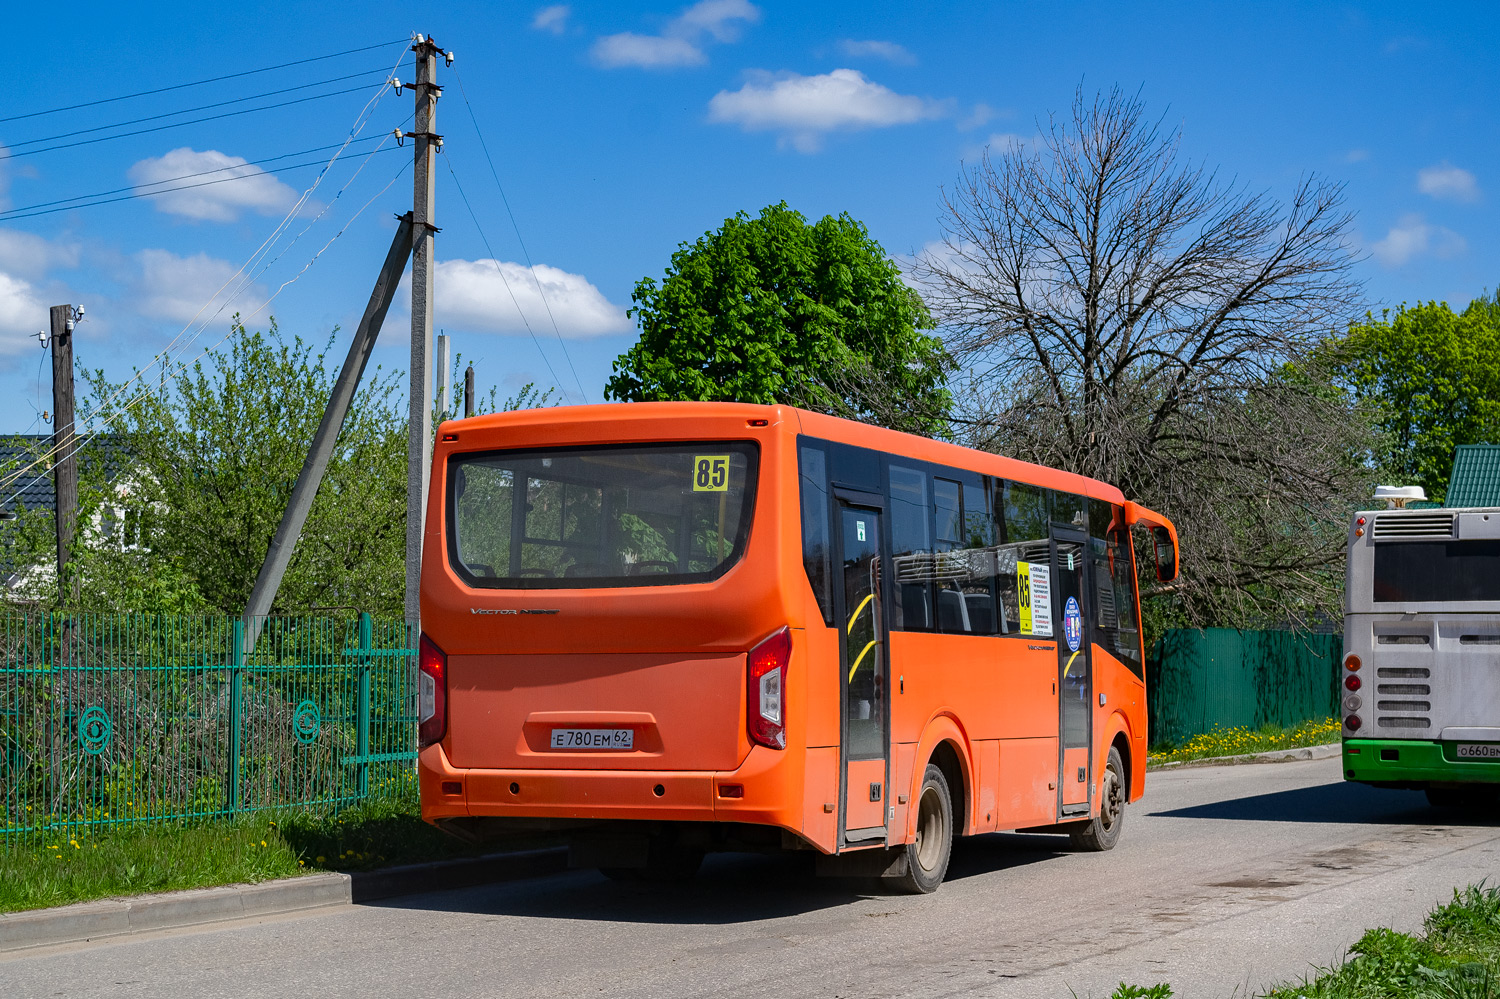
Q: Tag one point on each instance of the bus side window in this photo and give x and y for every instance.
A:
(983, 565)
(1023, 515)
(1116, 628)
(911, 549)
(816, 555)
(950, 571)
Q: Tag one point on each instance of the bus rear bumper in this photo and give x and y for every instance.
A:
(1413, 761)
(752, 793)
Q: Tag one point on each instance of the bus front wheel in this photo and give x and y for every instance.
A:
(1102, 832)
(928, 853)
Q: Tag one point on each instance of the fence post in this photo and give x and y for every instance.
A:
(236, 693)
(362, 732)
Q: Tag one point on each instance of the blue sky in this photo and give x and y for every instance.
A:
(620, 130)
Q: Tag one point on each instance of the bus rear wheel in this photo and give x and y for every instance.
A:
(1102, 832)
(928, 853)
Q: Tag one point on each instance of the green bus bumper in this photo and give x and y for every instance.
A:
(1413, 761)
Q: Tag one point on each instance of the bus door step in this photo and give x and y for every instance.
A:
(853, 836)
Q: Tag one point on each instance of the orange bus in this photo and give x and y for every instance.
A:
(669, 628)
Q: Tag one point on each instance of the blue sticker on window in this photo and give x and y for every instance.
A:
(1072, 624)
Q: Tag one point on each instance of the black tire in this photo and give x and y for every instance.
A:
(928, 854)
(1102, 831)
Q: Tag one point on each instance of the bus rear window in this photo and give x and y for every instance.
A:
(1437, 571)
(637, 515)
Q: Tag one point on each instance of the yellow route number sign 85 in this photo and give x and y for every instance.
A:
(711, 473)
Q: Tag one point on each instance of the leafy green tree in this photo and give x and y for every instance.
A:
(774, 310)
(1432, 377)
(214, 451)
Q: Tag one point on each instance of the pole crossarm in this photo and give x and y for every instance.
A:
(279, 555)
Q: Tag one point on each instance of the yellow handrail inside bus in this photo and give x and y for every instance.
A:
(861, 658)
(857, 611)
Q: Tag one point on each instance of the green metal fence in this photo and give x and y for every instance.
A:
(1221, 677)
(118, 719)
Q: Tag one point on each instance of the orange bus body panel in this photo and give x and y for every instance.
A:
(669, 662)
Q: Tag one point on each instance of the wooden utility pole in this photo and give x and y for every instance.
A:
(469, 391)
(64, 442)
(419, 439)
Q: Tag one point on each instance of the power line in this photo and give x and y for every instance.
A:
(199, 83)
(137, 189)
(201, 107)
(506, 201)
(501, 271)
(137, 193)
(179, 124)
(104, 411)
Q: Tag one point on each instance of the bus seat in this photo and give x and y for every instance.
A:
(952, 613)
(981, 613)
(916, 613)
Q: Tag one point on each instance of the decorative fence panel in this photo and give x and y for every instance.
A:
(119, 719)
(1200, 679)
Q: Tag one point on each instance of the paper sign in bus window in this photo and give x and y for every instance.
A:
(711, 473)
(1034, 582)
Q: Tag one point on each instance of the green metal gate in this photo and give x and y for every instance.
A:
(118, 719)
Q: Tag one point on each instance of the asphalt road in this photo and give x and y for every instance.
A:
(1227, 879)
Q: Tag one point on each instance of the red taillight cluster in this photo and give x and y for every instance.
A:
(1351, 682)
(432, 692)
(765, 701)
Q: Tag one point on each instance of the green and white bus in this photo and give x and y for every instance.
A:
(1420, 682)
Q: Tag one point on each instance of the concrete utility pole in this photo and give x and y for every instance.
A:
(64, 442)
(419, 440)
(279, 556)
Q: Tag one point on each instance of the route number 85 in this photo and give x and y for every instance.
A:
(711, 473)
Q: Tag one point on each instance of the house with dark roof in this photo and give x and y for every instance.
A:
(27, 473)
(1475, 480)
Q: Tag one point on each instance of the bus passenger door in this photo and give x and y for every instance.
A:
(863, 666)
(1074, 687)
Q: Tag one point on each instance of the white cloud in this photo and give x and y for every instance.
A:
(251, 187)
(1356, 156)
(176, 288)
(803, 108)
(30, 256)
(1411, 237)
(682, 39)
(889, 51)
(477, 295)
(22, 314)
(646, 52)
(1448, 183)
(981, 115)
(553, 18)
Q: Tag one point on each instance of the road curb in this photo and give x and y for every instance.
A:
(1323, 752)
(85, 922)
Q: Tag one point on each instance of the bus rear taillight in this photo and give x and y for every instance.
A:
(765, 703)
(432, 692)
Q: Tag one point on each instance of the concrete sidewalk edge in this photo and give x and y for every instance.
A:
(83, 922)
(1323, 752)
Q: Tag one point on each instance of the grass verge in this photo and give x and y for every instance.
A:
(1456, 956)
(1241, 741)
(82, 866)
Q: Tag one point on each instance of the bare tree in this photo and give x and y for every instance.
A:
(1129, 316)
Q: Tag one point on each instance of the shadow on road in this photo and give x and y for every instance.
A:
(731, 888)
(1340, 802)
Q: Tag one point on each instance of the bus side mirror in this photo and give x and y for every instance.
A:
(1166, 554)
